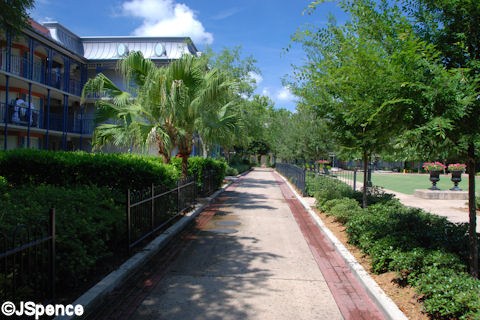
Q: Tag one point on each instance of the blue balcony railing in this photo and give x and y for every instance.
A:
(19, 115)
(38, 72)
(56, 80)
(75, 87)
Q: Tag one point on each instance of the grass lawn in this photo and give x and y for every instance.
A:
(407, 183)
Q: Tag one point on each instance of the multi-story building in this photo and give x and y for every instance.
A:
(42, 73)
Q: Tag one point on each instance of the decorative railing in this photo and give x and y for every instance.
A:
(151, 209)
(21, 116)
(295, 174)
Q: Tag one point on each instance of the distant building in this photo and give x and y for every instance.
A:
(42, 73)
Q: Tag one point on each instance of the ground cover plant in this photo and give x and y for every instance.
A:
(426, 251)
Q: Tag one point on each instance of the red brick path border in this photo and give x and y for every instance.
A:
(351, 298)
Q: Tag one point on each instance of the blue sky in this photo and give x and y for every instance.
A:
(261, 27)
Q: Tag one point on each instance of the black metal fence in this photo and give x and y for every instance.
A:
(295, 174)
(151, 209)
(303, 173)
(27, 262)
(336, 176)
(207, 183)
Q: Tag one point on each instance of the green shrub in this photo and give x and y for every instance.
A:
(375, 195)
(199, 165)
(449, 294)
(326, 188)
(231, 171)
(90, 223)
(426, 251)
(118, 171)
(341, 209)
(241, 167)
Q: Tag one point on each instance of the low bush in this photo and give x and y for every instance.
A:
(118, 171)
(341, 209)
(425, 250)
(326, 188)
(199, 165)
(240, 167)
(375, 195)
(90, 223)
(231, 171)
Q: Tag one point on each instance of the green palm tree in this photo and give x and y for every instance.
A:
(166, 105)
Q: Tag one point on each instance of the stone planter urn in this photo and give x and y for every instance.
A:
(434, 178)
(456, 178)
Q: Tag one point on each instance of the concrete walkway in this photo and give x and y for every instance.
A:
(253, 255)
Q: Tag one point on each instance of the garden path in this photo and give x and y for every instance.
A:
(255, 254)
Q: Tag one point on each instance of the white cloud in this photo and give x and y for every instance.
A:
(285, 94)
(226, 14)
(266, 92)
(165, 18)
(255, 76)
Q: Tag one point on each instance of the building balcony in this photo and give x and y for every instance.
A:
(38, 72)
(20, 116)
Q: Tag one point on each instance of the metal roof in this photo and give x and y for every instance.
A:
(110, 48)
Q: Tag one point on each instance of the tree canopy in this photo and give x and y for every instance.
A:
(14, 14)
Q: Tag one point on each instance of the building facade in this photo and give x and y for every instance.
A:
(42, 73)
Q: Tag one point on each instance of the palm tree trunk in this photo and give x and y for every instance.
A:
(204, 147)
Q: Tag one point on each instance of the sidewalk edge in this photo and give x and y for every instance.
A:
(389, 309)
(95, 295)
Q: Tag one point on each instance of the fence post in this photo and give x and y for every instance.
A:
(52, 251)
(369, 177)
(129, 237)
(354, 179)
(178, 195)
(153, 208)
(304, 191)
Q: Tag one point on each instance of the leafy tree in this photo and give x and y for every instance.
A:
(230, 61)
(452, 25)
(347, 72)
(14, 16)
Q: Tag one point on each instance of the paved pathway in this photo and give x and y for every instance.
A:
(275, 264)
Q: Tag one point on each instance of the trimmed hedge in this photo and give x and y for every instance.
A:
(231, 171)
(240, 167)
(118, 171)
(88, 193)
(199, 165)
(90, 223)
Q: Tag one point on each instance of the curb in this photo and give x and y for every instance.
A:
(95, 295)
(389, 309)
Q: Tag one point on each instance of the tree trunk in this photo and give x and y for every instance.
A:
(472, 233)
(365, 182)
(204, 147)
